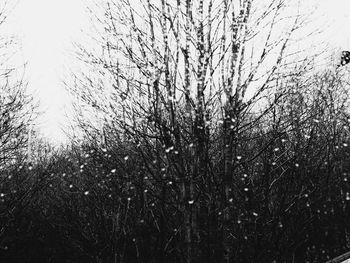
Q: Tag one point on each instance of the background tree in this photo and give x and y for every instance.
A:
(16, 105)
(17, 112)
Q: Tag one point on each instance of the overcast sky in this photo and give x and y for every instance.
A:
(338, 13)
(46, 29)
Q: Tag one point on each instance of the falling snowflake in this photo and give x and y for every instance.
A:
(169, 149)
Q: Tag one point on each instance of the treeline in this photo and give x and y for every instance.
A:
(122, 201)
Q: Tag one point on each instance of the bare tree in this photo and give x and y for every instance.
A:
(16, 105)
(177, 77)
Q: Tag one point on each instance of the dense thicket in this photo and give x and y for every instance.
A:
(121, 201)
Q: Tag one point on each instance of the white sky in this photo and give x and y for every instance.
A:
(46, 29)
(338, 13)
